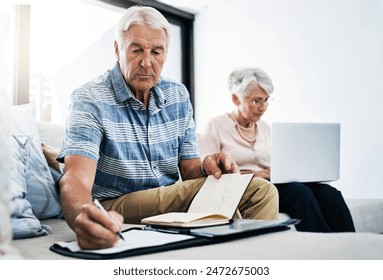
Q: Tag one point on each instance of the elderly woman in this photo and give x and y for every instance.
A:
(242, 132)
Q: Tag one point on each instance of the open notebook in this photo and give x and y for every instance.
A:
(214, 204)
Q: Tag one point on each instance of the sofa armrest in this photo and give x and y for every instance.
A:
(367, 214)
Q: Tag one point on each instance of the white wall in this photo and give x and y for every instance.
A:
(326, 60)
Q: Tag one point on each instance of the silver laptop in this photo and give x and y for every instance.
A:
(304, 152)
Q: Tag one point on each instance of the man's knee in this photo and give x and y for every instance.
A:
(261, 201)
(264, 186)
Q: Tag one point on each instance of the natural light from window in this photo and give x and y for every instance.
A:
(72, 43)
(60, 35)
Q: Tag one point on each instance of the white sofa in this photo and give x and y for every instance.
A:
(366, 243)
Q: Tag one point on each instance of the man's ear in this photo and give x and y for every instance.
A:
(116, 51)
(235, 99)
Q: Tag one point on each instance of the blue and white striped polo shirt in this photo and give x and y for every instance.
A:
(136, 148)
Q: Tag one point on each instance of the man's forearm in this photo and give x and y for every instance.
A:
(76, 186)
(72, 198)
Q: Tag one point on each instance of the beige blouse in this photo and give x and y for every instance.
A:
(221, 134)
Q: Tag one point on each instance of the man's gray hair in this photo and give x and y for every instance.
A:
(141, 15)
(241, 78)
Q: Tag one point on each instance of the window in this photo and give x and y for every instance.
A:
(7, 47)
(70, 45)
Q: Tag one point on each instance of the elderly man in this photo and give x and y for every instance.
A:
(130, 134)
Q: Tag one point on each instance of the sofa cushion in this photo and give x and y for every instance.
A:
(40, 191)
(285, 245)
(51, 134)
(40, 185)
(24, 222)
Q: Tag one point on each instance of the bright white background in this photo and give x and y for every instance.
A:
(326, 61)
(325, 58)
(278, 269)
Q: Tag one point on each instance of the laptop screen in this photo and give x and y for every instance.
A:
(304, 152)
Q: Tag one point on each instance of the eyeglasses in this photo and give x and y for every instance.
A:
(258, 102)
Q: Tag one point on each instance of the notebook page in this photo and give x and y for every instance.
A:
(221, 195)
(133, 239)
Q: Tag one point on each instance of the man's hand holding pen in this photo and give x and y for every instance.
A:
(95, 228)
(99, 206)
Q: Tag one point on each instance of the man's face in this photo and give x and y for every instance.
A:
(142, 56)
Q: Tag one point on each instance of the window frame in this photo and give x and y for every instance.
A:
(22, 46)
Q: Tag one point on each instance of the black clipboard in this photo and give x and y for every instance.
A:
(240, 228)
(94, 255)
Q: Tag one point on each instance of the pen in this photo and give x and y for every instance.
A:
(167, 230)
(99, 206)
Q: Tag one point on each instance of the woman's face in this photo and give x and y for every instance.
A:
(253, 104)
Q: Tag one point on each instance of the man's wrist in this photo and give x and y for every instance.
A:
(203, 172)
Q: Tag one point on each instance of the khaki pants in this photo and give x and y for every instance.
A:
(260, 201)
